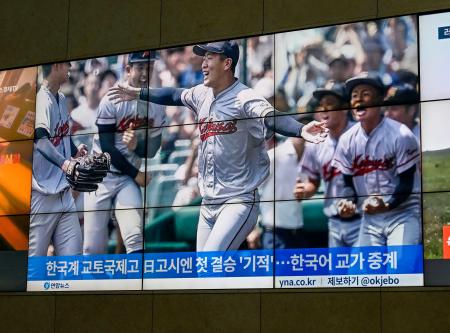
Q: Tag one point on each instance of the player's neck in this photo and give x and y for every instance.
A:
(369, 126)
(335, 133)
(52, 86)
(223, 85)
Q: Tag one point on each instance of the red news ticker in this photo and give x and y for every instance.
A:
(446, 241)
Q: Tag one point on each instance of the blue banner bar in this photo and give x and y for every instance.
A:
(287, 262)
(93, 267)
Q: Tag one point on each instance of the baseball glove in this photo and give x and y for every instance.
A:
(84, 173)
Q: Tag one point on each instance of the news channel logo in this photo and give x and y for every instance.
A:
(444, 32)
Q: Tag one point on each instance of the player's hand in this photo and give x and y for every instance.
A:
(82, 150)
(346, 208)
(123, 92)
(303, 190)
(65, 166)
(143, 178)
(315, 131)
(375, 205)
(254, 239)
(129, 137)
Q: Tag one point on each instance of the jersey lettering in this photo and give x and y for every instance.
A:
(366, 165)
(329, 172)
(209, 128)
(124, 124)
(60, 131)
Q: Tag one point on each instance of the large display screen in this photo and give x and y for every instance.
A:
(303, 159)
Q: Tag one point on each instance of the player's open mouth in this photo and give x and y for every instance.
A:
(205, 74)
(360, 110)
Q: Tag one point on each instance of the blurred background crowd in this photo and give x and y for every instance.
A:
(304, 61)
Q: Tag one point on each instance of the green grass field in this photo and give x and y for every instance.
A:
(436, 170)
(436, 206)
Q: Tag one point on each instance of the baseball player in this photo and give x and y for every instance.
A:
(316, 164)
(402, 104)
(378, 158)
(119, 135)
(233, 160)
(53, 149)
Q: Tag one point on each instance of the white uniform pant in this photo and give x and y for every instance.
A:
(121, 193)
(57, 224)
(343, 234)
(391, 228)
(226, 226)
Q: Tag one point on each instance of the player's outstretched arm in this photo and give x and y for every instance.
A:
(163, 96)
(286, 125)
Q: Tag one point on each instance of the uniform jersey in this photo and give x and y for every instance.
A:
(232, 156)
(140, 113)
(53, 116)
(316, 164)
(376, 160)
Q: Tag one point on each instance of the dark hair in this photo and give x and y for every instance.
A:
(233, 65)
(106, 73)
(46, 70)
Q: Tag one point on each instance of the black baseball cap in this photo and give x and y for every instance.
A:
(368, 78)
(143, 56)
(331, 88)
(228, 48)
(401, 94)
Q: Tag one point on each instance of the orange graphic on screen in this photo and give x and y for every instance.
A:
(15, 177)
(446, 241)
(17, 118)
(14, 233)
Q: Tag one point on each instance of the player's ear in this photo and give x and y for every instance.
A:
(227, 64)
(128, 69)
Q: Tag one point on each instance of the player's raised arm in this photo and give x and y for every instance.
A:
(163, 96)
(286, 125)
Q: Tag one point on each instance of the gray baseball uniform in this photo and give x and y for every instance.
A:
(50, 191)
(118, 190)
(316, 164)
(374, 161)
(233, 162)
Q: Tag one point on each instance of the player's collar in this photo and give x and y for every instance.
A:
(223, 92)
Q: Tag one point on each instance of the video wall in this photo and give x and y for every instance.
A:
(304, 159)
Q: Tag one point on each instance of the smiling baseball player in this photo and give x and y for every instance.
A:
(316, 164)
(378, 158)
(233, 160)
(119, 135)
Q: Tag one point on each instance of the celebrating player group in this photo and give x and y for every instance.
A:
(357, 144)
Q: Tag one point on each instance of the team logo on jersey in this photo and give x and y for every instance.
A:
(329, 172)
(61, 129)
(137, 122)
(208, 127)
(361, 165)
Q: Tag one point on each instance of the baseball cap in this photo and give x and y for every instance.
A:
(228, 48)
(365, 78)
(401, 94)
(331, 88)
(143, 56)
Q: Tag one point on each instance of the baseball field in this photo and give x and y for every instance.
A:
(436, 211)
